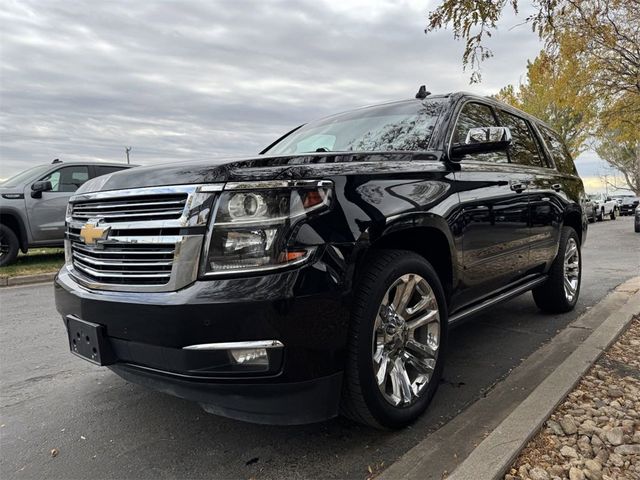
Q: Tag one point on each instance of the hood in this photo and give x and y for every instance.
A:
(259, 167)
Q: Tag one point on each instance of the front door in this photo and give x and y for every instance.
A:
(47, 214)
(493, 226)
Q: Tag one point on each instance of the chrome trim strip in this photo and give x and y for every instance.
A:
(211, 187)
(135, 192)
(494, 300)
(236, 345)
(266, 184)
(116, 262)
(158, 252)
(157, 204)
(127, 274)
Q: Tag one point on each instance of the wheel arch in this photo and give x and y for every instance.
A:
(15, 223)
(573, 218)
(428, 236)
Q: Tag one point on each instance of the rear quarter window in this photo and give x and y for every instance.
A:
(561, 157)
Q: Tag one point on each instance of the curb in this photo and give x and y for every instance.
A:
(495, 454)
(27, 279)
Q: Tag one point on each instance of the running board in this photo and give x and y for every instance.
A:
(495, 300)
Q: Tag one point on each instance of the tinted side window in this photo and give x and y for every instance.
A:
(558, 150)
(474, 115)
(523, 149)
(68, 179)
(104, 170)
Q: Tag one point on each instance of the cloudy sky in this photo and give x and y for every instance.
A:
(180, 80)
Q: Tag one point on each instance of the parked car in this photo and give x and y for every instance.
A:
(636, 222)
(33, 203)
(629, 204)
(605, 206)
(323, 275)
(620, 198)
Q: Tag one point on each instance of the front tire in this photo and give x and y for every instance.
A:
(8, 246)
(397, 340)
(559, 294)
(612, 215)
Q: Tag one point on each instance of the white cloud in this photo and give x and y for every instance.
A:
(198, 79)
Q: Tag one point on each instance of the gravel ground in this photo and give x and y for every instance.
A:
(595, 433)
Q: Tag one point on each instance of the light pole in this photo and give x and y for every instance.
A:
(127, 150)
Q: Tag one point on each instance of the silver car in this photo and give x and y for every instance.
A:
(33, 204)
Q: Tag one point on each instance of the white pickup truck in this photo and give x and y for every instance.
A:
(604, 206)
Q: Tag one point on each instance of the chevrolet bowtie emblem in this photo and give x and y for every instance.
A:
(91, 232)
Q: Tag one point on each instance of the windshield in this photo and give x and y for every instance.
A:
(25, 176)
(403, 126)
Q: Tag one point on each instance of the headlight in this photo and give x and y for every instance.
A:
(253, 223)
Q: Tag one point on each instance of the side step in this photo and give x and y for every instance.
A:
(509, 294)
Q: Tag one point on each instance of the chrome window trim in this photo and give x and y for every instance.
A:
(236, 345)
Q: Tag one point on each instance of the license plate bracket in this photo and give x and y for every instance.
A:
(89, 341)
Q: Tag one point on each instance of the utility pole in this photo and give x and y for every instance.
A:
(127, 150)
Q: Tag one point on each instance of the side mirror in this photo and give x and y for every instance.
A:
(482, 140)
(39, 187)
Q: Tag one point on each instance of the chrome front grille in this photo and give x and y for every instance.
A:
(152, 237)
(124, 265)
(146, 207)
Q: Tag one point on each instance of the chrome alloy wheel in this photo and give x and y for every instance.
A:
(571, 269)
(406, 339)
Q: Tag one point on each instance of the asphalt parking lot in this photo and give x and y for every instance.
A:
(103, 427)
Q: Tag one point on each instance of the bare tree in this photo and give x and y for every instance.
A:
(624, 157)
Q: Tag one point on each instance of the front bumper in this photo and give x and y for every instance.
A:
(304, 309)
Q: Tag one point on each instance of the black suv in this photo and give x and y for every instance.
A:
(323, 275)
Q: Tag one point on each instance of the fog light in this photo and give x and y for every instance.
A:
(250, 356)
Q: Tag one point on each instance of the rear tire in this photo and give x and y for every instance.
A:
(8, 246)
(559, 294)
(380, 311)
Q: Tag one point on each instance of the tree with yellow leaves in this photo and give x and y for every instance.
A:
(559, 92)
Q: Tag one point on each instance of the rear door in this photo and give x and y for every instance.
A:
(545, 206)
(556, 186)
(492, 231)
(47, 214)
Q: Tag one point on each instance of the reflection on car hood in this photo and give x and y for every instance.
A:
(260, 167)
